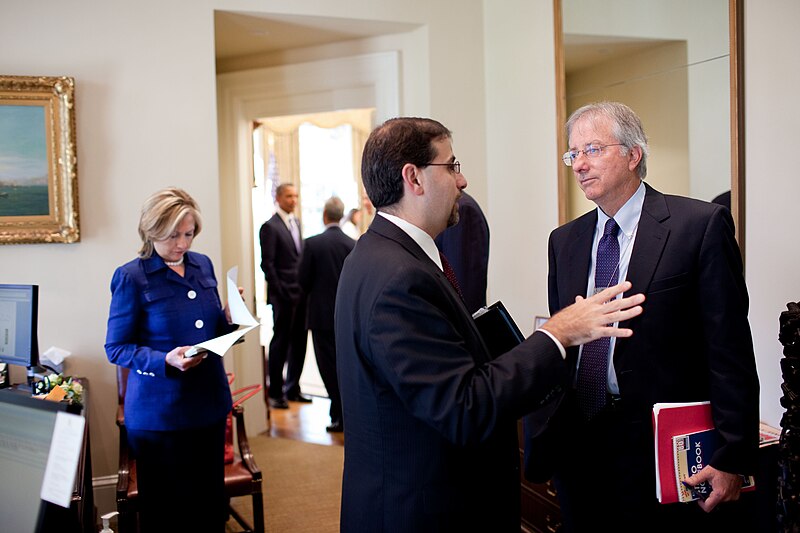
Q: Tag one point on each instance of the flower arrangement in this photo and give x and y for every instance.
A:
(60, 388)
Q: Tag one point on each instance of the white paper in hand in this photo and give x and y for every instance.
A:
(240, 315)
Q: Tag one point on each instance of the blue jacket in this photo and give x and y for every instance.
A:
(154, 310)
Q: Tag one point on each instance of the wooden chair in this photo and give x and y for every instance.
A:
(242, 477)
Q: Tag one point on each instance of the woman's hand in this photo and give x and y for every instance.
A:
(176, 359)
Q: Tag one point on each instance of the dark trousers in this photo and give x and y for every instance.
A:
(181, 478)
(606, 481)
(287, 347)
(325, 352)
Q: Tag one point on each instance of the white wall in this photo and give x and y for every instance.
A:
(521, 148)
(773, 188)
(146, 118)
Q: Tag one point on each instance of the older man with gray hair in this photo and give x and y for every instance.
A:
(323, 257)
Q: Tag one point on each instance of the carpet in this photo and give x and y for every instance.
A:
(302, 485)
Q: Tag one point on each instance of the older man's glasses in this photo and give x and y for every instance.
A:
(592, 150)
(455, 166)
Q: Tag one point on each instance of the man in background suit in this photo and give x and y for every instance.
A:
(281, 246)
(692, 343)
(320, 267)
(430, 418)
(466, 246)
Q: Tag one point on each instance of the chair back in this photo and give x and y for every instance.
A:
(122, 386)
(122, 383)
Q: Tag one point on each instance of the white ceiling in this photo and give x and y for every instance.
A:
(242, 34)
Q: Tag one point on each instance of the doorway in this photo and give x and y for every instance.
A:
(320, 154)
(365, 81)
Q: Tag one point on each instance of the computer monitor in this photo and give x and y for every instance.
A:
(26, 431)
(19, 308)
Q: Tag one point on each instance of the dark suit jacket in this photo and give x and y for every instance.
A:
(466, 246)
(693, 341)
(320, 267)
(430, 419)
(279, 260)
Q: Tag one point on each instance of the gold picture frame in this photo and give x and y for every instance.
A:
(38, 160)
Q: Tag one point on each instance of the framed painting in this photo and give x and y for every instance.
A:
(38, 160)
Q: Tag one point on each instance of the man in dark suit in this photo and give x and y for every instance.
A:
(281, 246)
(430, 418)
(692, 343)
(320, 267)
(466, 246)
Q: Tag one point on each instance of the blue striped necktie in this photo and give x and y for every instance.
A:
(593, 369)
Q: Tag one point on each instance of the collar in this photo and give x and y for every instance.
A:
(155, 262)
(627, 218)
(420, 237)
(284, 215)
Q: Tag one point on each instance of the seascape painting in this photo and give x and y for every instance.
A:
(23, 161)
(38, 160)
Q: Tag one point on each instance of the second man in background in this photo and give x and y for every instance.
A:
(320, 267)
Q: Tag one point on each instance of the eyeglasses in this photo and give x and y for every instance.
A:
(455, 166)
(591, 150)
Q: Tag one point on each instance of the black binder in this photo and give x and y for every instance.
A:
(499, 331)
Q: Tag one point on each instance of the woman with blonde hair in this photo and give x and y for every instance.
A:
(162, 303)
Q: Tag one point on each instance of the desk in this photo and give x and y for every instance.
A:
(83, 495)
(80, 516)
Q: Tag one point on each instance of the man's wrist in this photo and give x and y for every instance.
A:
(555, 340)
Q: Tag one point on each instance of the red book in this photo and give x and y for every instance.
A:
(670, 420)
(691, 423)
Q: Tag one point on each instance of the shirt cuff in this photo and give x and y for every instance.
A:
(558, 343)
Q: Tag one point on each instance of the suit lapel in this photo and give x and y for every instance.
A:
(651, 238)
(287, 234)
(388, 230)
(579, 246)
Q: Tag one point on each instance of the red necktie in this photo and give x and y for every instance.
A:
(450, 274)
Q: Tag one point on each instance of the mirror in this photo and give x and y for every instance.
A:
(678, 65)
